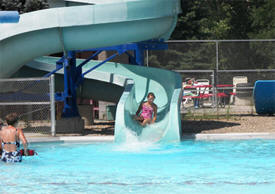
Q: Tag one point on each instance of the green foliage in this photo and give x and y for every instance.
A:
(208, 20)
(263, 25)
(31, 5)
(11, 5)
(189, 22)
(223, 19)
(185, 56)
(23, 6)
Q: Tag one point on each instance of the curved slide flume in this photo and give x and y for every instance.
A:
(107, 83)
(104, 24)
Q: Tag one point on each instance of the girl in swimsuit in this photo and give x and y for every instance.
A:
(9, 140)
(147, 111)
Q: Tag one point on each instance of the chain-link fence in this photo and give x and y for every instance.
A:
(218, 75)
(32, 99)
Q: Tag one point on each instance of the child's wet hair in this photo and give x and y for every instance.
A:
(151, 94)
(12, 118)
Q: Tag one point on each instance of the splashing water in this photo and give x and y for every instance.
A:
(133, 143)
(151, 133)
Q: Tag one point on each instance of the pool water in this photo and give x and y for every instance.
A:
(188, 167)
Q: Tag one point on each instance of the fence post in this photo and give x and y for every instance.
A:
(213, 88)
(215, 75)
(52, 99)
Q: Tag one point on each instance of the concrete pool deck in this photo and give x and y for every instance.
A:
(32, 138)
(91, 138)
(235, 128)
(230, 136)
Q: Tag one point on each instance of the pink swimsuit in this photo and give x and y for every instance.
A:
(147, 112)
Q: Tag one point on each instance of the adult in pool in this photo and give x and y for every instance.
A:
(147, 111)
(10, 136)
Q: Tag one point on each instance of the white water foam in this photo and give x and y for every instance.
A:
(133, 143)
(151, 133)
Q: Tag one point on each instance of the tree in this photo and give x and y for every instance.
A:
(223, 19)
(23, 6)
(263, 24)
(189, 22)
(32, 5)
(7, 5)
(263, 27)
(220, 19)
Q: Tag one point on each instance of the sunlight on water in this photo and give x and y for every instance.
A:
(196, 167)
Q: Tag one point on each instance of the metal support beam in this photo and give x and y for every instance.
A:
(137, 48)
(90, 58)
(59, 65)
(71, 74)
(98, 65)
(139, 55)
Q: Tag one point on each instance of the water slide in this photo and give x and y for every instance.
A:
(98, 24)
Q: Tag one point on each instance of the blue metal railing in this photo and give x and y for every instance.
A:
(73, 76)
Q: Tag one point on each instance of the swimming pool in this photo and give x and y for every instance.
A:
(186, 167)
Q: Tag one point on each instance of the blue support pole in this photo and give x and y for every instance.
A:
(139, 55)
(9, 17)
(71, 75)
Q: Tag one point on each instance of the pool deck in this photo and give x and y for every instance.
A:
(230, 136)
(32, 138)
(238, 127)
(92, 138)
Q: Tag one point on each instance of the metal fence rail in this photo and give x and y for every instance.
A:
(237, 64)
(32, 99)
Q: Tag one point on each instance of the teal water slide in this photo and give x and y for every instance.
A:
(95, 24)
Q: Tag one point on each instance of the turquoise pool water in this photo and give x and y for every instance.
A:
(188, 167)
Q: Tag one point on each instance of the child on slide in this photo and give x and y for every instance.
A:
(147, 111)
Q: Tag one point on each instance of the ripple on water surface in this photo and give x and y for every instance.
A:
(190, 166)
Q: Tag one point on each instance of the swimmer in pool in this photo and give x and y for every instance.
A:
(10, 136)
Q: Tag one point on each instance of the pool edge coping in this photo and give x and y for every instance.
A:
(216, 136)
(229, 136)
(72, 139)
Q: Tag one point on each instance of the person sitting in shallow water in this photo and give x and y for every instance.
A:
(147, 111)
(1, 125)
(9, 140)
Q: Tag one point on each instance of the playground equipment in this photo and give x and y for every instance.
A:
(135, 25)
(264, 97)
